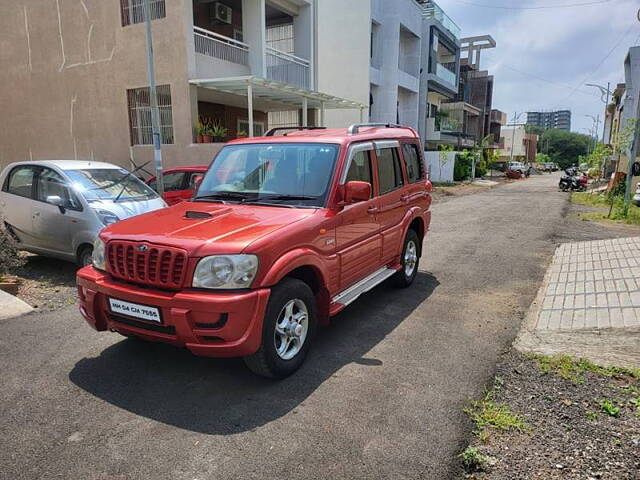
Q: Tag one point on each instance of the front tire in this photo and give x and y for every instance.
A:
(85, 256)
(409, 260)
(287, 332)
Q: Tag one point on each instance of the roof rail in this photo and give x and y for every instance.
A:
(355, 128)
(272, 131)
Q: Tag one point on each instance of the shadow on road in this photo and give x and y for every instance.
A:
(220, 396)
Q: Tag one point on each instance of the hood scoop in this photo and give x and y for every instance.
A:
(194, 215)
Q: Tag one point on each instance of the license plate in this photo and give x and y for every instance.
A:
(135, 310)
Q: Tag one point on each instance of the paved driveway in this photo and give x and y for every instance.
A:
(380, 395)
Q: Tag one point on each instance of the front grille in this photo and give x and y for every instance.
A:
(147, 264)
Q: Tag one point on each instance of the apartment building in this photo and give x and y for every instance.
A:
(79, 86)
(518, 145)
(559, 119)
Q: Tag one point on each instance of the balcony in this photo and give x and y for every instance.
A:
(218, 46)
(443, 72)
(432, 10)
(287, 68)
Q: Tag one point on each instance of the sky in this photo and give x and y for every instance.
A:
(546, 52)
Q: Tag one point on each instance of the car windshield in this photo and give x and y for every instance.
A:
(287, 174)
(109, 184)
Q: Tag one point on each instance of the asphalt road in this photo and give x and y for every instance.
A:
(380, 396)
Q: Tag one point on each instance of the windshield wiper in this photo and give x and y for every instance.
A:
(286, 197)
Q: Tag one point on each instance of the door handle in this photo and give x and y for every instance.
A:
(36, 214)
(372, 209)
(404, 198)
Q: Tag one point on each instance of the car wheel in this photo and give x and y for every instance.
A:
(288, 329)
(84, 257)
(409, 260)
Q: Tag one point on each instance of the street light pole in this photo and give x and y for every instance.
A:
(153, 100)
(513, 134)
(605, 98)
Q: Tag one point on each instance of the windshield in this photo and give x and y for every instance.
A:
(109, 184)
(288, 174)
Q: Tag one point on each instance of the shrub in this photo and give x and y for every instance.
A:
(9, 258)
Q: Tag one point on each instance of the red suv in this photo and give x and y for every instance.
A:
(283, 232)
(179, 183)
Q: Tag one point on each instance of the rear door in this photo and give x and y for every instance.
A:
(392, 201)
(358, 241)
(16, 201)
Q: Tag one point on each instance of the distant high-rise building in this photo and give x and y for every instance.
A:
(560, 119)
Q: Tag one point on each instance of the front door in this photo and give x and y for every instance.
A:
(358, 241)
(393, 198)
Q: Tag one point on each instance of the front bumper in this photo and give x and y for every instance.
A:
(211, 324)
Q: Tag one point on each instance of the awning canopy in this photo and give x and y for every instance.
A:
(275, 93)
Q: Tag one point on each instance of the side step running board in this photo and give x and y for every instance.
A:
(363, 286)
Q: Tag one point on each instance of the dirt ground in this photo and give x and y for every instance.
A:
(47, 284)
(570, 431)
(445, 192)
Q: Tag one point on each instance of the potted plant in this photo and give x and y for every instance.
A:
(9, 261)
(207, 134)
(200, 129)
(242, 134)
(219, 132)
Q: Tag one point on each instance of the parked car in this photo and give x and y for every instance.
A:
(57, 207)
(284, 232)
(179, 183)
(517, 167)
(636, 197)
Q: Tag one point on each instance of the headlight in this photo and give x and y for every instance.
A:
(106, 217)
(225, 271)
(98, 254)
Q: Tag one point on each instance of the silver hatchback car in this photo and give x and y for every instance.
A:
(57, 207)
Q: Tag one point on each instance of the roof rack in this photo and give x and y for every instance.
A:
(272, 131)
(355, 128)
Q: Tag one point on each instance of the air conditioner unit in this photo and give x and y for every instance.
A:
(221, 13)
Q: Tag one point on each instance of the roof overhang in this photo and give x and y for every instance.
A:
(276, 95)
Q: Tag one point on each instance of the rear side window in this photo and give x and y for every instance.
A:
(173, 182)
(412, 161)
(389, 170)
(20, 181)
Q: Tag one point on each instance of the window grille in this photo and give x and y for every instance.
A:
(132, 11)
(139, 103)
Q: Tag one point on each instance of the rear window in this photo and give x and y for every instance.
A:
(412, 160)
(20, 181)
(389, 170)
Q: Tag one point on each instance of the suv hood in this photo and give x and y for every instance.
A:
(205, 228)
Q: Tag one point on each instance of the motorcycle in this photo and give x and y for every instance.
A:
(572, 182)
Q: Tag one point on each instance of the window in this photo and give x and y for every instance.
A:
(51, 184)
(132, 11)
(139, 103)
(258, 128)
(389, 171)
(413, 162)
(97, 184)
(20, 181)
(172, 182)
(360, 168)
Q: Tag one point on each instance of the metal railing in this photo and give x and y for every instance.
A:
(286, 68)
(132, 11)
(432, 10)
(445, 74)
(218, 46)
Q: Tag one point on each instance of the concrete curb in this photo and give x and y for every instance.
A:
(619, 347)
(11, 306)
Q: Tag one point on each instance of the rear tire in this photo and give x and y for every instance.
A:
(409, 261)
(85, 256)
(287, 332)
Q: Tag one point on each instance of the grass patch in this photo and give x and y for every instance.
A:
(610, 408)
(490, 415)
(589, 199)
(573, 369)
(474, 461)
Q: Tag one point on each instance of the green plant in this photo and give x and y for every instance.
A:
(9, 258)
(218, 131)
(201, 129)
(573, 369)
(474, 461)
(486, 413)
(445, 150)
(591, 415)
(608, 407)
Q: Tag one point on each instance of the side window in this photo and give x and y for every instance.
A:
(153, 185)
(20, 181)
(360, 168)
(50, 184)
(389, 170)
(173, 181)
(415, 171)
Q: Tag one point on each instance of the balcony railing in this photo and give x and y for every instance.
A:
(432, 10)
(218, 46)
(286, 68)
(445, 74)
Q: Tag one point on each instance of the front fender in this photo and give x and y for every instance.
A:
(302, 257)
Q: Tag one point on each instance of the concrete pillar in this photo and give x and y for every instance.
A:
(254, 33)
(250, 107)
(191, 47)
(304, 36)
(305, 112)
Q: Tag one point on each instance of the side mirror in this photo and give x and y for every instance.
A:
(57, 201)
(197, 180)
(356, 191)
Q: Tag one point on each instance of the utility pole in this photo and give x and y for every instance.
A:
(633, 153)
(606, 109)
(153, 100)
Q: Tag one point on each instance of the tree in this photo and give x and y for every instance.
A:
(534, 129)
(563, 147)
(542, 158)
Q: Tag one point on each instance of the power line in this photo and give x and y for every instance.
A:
(539, 7)
(548, 81)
